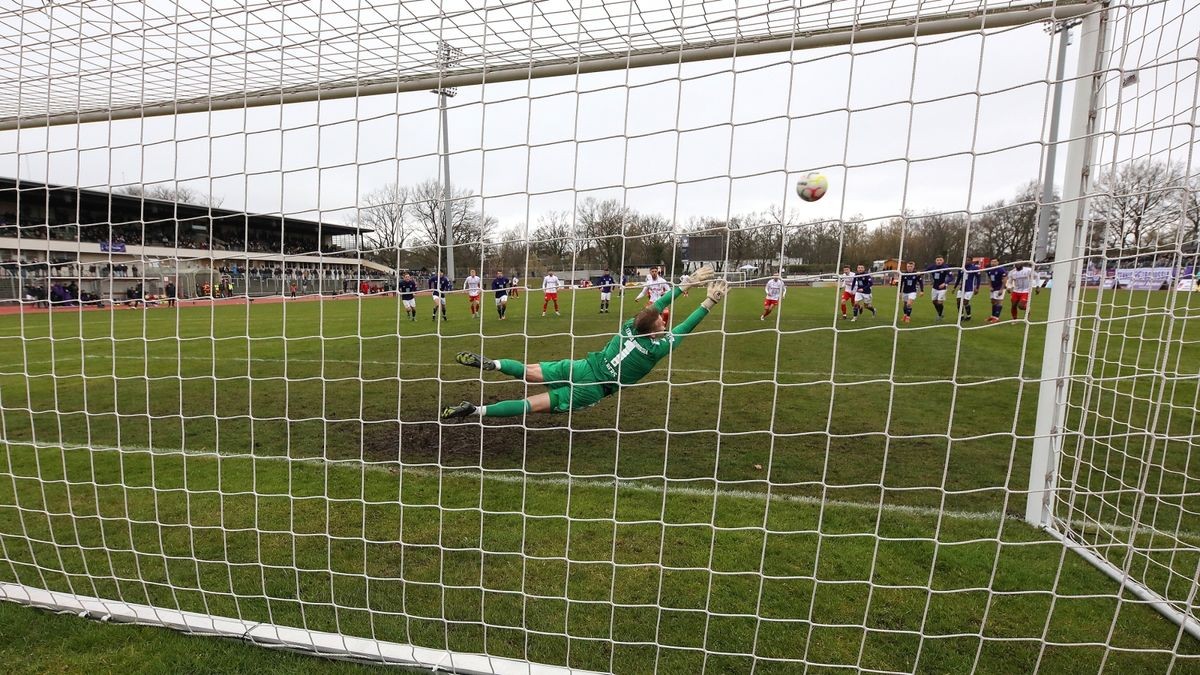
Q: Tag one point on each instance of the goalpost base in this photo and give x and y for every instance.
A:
(321, 643)
(1138, 589)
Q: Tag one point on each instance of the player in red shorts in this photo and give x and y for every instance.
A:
(550, 285)
(1021, 279)
(775, 292)
(847, 283)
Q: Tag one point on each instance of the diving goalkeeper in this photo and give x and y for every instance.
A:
(633, 352)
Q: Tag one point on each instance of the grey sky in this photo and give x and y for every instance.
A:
(529, 147)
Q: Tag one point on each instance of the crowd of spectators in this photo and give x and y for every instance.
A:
(167, 235)
(59, 294)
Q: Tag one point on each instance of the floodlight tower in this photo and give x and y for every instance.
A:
(448, 57)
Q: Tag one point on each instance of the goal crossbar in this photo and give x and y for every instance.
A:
(726, 48)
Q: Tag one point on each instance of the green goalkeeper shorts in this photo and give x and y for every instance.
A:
(572, 385)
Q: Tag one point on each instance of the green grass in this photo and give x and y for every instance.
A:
(283, 463)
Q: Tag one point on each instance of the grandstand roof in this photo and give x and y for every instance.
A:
(151, 209)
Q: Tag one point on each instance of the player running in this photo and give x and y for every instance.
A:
(912, 284)
(655, 288)
(997, 276)
(642, 342)
(408, 290)
(550, 286)
(940, 276)
(440, 285)
(500, 286)
(514, 286)
(473, 285)
(847, 283)
(965, 287)
(862, 293)
(1021, 279)
(606, 285)
(776, 289)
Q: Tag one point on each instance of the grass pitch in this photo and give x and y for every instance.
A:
(803, 488)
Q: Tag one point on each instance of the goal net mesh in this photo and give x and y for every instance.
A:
(257, 450)
(1127, 486)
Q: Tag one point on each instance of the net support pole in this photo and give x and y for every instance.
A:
(1067, 278)
(1063, 30)
(447, 194)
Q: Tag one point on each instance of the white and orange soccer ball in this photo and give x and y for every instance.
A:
(812, 186)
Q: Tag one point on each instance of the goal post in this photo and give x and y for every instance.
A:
(1068, 271)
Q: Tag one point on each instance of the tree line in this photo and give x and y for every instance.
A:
(1133, 208)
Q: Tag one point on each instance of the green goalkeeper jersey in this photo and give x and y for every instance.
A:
(629, 357)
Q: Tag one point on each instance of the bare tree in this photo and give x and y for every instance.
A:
(1007, 229)
(1137, 202)
(385, 213)
(604, 225)
(426, 206)
(937, 234)
(1189, 236)
(653, 239)
(511, 251)
(554, 238)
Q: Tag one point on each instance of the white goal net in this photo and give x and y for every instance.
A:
(247, 247)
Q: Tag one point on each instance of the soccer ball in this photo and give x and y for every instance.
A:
(812, 186)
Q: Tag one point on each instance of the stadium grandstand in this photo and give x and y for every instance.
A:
(71, 245)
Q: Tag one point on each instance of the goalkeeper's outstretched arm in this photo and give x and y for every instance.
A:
(701, 277)
(716, 293)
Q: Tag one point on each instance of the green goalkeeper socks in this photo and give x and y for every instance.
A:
(512, 369)
(505, 408)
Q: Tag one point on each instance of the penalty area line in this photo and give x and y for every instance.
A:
(642, 485)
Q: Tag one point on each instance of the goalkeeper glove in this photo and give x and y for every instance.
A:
(716, 293)
(700, 277)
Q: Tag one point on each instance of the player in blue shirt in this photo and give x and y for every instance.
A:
(940, 277)
(862, 293)
(440, 285)
(965, 287)
(500, 286)
(408, 288)
(997, 276)
(912, 284)
(606, 284)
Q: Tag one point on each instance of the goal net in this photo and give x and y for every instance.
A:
(239, 248)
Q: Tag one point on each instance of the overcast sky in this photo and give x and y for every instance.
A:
(952, 124)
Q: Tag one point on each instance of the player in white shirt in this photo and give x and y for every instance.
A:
(474, 287)
(550, 286)
(847, 283)
(684, 283)
(1021, 279)
(654, 288)
(776, 289)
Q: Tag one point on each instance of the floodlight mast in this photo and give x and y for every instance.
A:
(448, 57)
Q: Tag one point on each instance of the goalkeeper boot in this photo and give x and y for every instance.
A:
(461, 410)
(474, 360)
